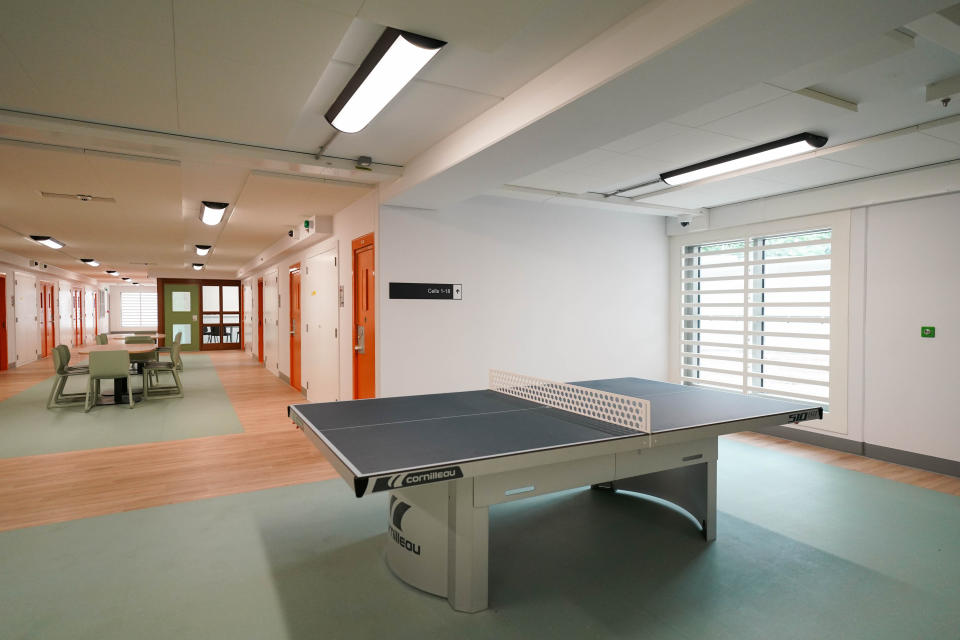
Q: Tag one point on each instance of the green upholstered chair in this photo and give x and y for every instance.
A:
(61, 362)
(152, 370)
(107, 364)
(101, 338)
(168, 350)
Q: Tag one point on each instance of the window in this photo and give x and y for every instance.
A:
(221, 315)
(138, 308)
(756, 315)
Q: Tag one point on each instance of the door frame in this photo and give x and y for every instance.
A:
(4, 357)
(48, 334)
(363, 243)
(295, 374)
(260, 319)
(76, 294)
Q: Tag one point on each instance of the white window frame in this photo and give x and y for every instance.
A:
(835, 420)
(140, 295)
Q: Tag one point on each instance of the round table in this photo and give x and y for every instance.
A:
(119, 384)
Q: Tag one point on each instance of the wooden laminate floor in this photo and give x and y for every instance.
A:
(271, 452)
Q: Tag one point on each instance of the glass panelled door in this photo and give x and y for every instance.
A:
(220, 321)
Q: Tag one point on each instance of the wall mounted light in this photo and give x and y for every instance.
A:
(90, 262)
(47, 241)
(111, 272)
(202, 249)
(211, 213)
(197, 266)
(776, 150)
(393, 61)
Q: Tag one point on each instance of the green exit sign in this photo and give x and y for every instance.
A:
(928, 332)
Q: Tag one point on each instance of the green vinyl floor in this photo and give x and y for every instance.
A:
(28, 428)
(804, 550)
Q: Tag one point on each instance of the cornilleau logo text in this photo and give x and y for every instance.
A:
(417, 477)
(398, 509)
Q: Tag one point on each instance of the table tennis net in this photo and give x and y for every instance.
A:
(625, 411)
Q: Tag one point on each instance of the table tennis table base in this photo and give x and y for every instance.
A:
(438, 534)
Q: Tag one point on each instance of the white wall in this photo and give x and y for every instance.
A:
(358, 219)
(913, 280)
(548, 290)
(904, 274)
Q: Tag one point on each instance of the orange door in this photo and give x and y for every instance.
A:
(364, 303)
(295, 326)
(260, 319)
(47, 337)
(3, 322)
(77, 316)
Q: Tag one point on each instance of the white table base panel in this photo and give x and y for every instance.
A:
(438, 534)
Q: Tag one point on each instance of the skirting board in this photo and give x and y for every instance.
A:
(887, 454)
(284, 377)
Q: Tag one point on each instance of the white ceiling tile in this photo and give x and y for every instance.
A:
(648, 136)
(712, 194)
(891, 154)
(949, 131)
(734, 103)
(782, 117)
(813, 172)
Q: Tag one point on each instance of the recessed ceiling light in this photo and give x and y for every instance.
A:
(90, 262)
(47, 241)
(111, 272)
(202, 249)
(776, 150)
(212, 212)
(197, 266)
(395, 58)
(125, 279)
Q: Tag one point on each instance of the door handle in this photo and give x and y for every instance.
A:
(360, 347)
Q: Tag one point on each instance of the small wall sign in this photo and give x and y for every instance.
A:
(425, 291)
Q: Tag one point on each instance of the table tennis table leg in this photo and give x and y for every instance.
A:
(467, 549)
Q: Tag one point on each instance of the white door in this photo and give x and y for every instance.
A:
(321, 344)
(27, 318)
(64, 307)
(89, 313)
(248, 335)
(271, 316)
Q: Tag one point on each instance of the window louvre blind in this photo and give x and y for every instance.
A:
(138, 309)
(755, 315)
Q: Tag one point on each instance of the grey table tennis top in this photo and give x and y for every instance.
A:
(386, 435)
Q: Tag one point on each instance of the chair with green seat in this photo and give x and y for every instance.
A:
(101, 338)
(61, 361)
(169, 350)
(107, 364)
(141, 359)
(151, 391)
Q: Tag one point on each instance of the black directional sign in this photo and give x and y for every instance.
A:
(425, 291)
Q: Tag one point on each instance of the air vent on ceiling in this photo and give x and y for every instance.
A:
(82, 197)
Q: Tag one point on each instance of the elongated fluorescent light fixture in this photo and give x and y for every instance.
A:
(197, 266)
(393, 62)
(202, 249)
(90, 262)
(212, 212)
(792, 146)
(47, 241)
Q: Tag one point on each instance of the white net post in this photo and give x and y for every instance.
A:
(625, 411)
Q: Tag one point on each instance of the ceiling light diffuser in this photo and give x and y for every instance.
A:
(197, 266)
(111, 272)
(47, 241)
(202, 249)
(393, 62)
(90, 262)
(212, 212)
(125, 279)
(776, 150)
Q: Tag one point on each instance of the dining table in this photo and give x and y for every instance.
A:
(120, 390)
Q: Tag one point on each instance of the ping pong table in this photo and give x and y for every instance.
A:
(446, 458)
